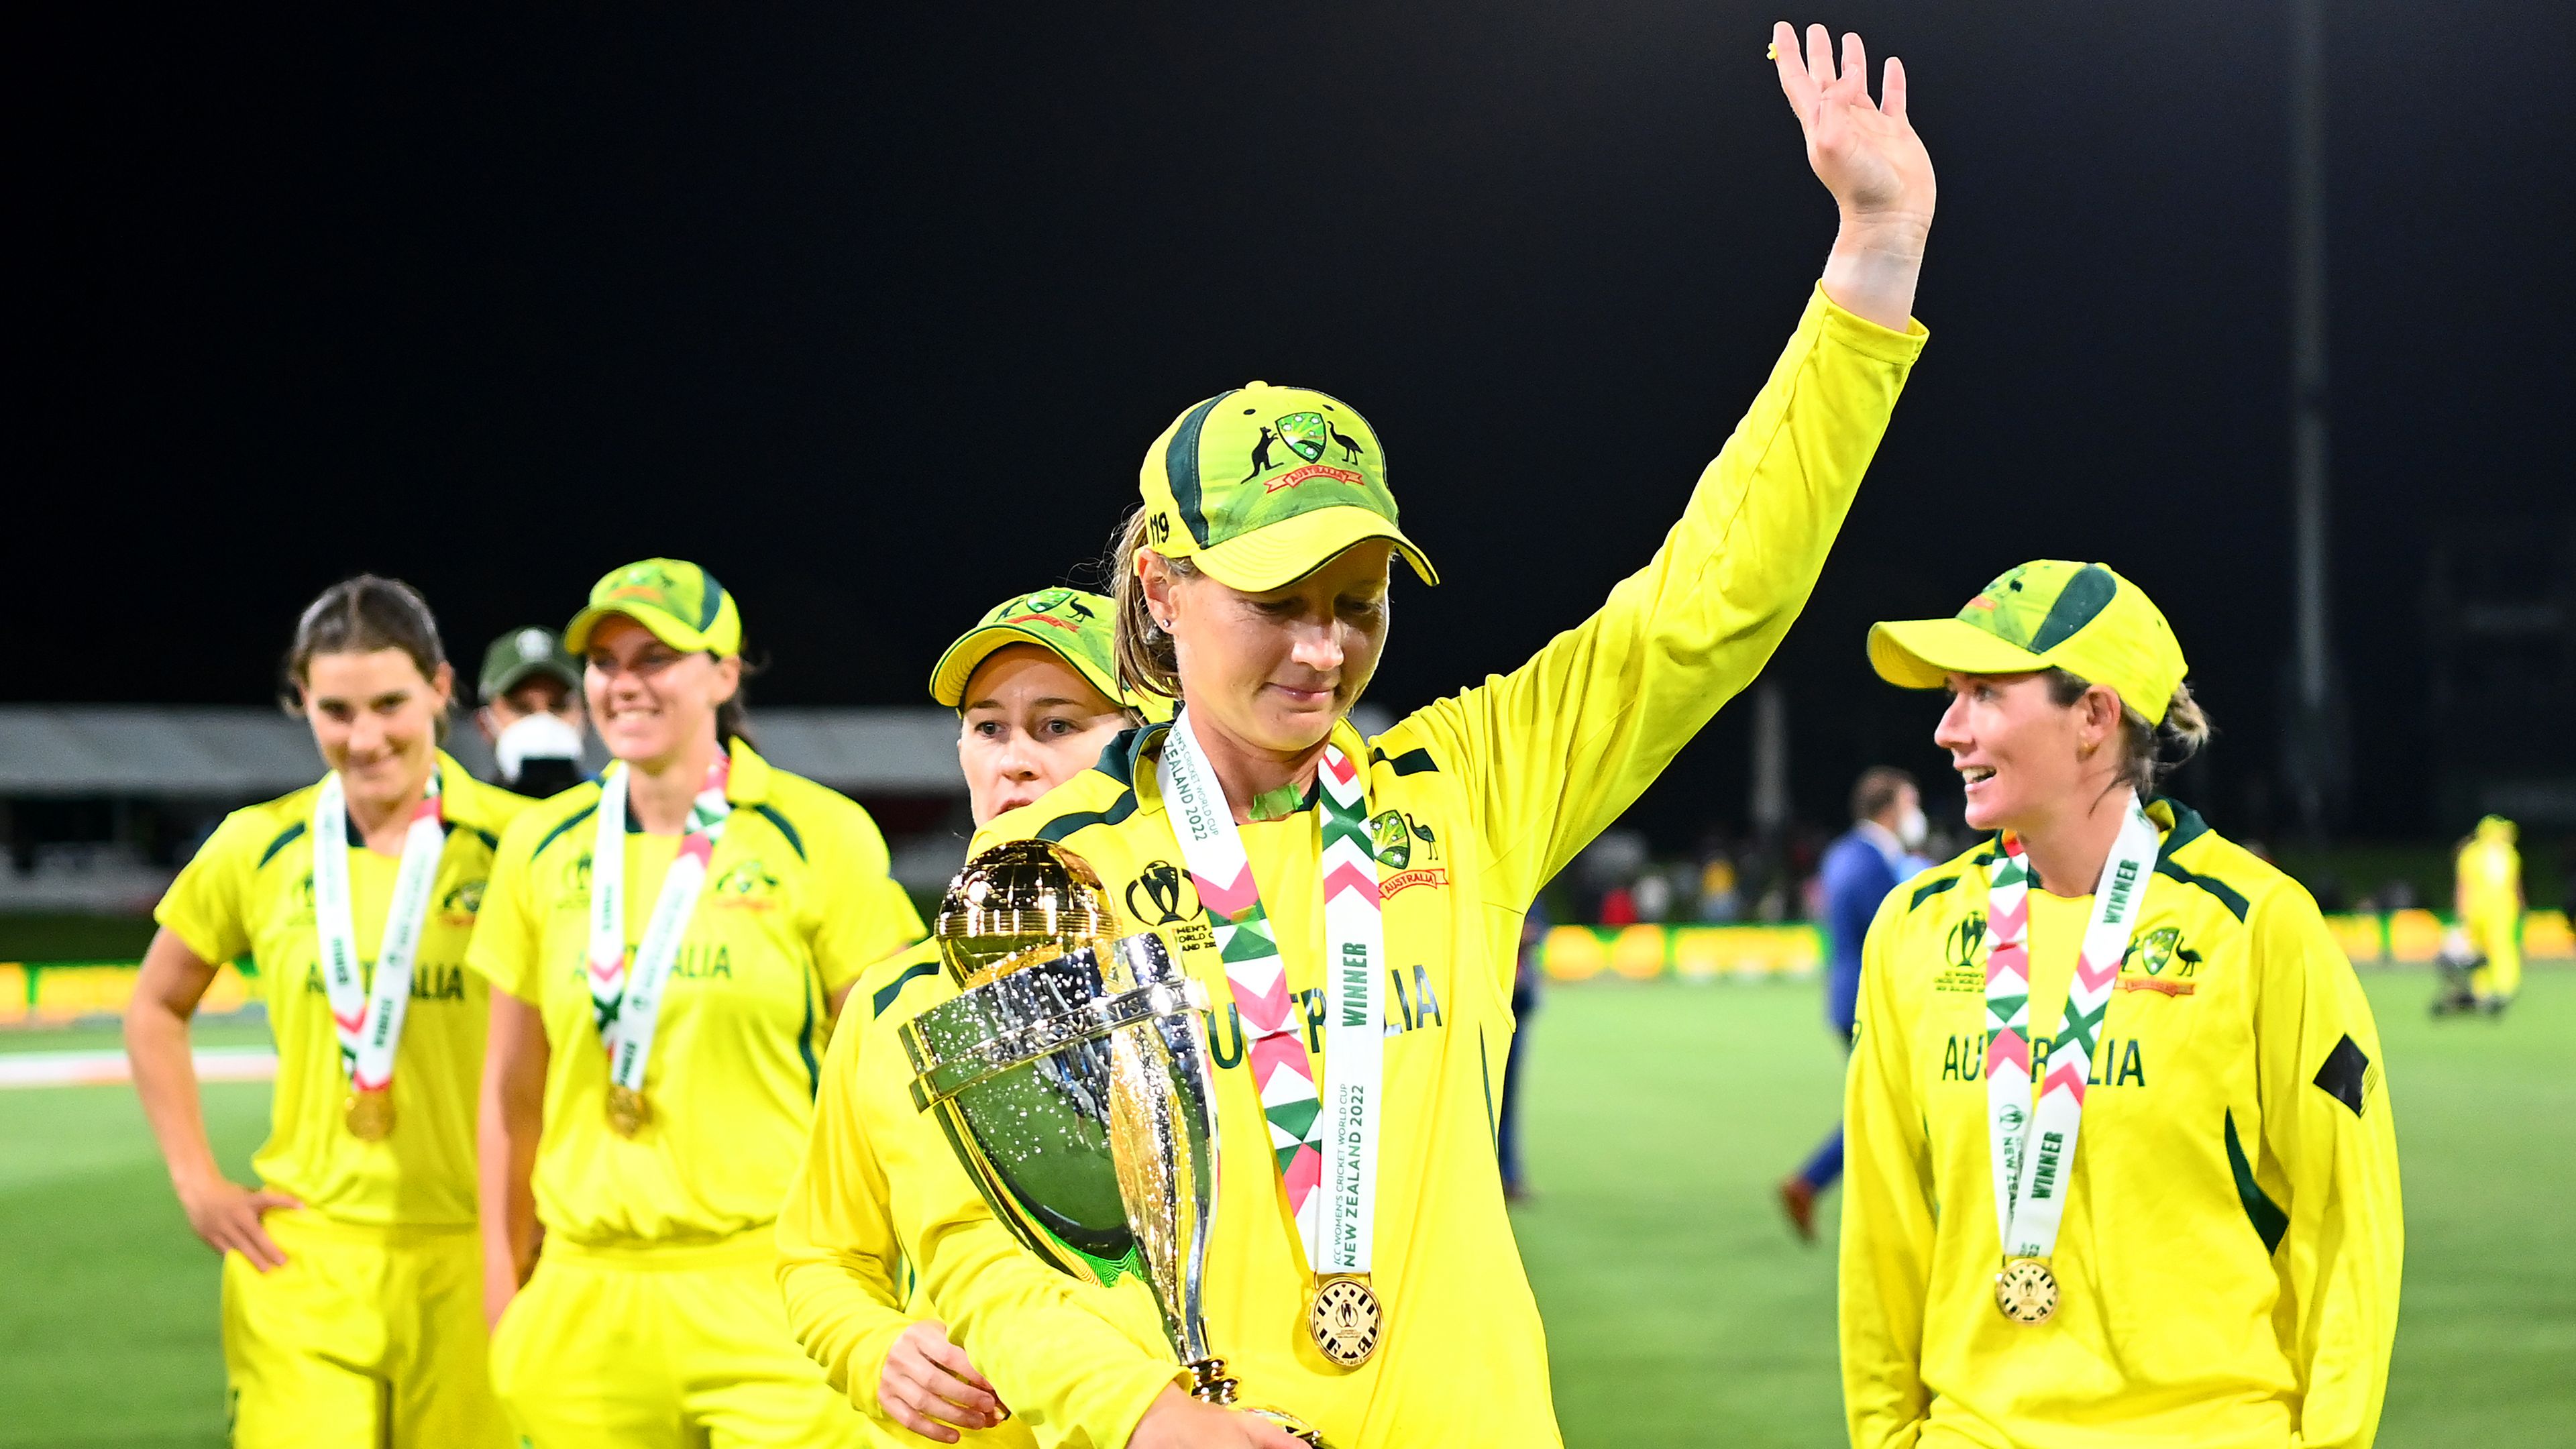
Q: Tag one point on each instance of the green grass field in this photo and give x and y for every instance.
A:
(1680, 1311)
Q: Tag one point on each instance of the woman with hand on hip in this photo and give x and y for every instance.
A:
(352, 1298)
(1035, 687)
(1354, 905)
(666, 945)
(2172, 1217)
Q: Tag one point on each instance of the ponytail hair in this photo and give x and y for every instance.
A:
(2150, 753)
(1147, 661)
(360, 615)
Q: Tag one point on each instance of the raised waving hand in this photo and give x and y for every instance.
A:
(1868, 156)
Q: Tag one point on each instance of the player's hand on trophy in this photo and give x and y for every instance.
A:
(1868, 156)
(928, 1384)
(1177, 1421)
(227, 1215)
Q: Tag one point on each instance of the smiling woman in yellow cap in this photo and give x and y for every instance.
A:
(2172, 1218)
(350, 1289)
(1035, 687)
(666, 946)
(1354, 905)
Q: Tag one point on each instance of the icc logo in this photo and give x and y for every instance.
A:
(1966, 937)
(1167, 895)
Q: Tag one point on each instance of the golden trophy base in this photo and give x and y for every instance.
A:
(1211, 1384)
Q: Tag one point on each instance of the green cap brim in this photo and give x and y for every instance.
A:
(956, 667)
(665, 628)
(1279, 554)
(1923, 653)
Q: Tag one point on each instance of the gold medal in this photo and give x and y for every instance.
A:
(627, 1110)
(371, 1114)
(2026, 1292)
(1346, 1319)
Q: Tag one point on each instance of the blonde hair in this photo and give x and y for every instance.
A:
(1147, 662)
(2151, 752)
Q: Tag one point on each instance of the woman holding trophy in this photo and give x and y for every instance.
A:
(2172, 1217)
(1352, 907)
(1035, 687)
(666, 945)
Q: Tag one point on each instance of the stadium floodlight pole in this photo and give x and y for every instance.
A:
(2312, 741)
(1770, 809)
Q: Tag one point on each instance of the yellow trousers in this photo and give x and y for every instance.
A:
(655, 1347)
(366, 1338)
(2494, 935)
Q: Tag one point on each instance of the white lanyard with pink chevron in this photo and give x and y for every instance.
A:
(2033, 1149)
(628, 1003)
(1325, 1143)
(368, 1019)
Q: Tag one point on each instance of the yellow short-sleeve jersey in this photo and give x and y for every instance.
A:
(796, 905)
(249, 891)
(2233, 1234)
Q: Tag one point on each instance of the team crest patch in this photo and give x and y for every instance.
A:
(2155, 954)
(1305, 434)
(645, 581)
(746, 885)
(1391, 840)
(1055, 608)
(2155, 950)
(460, 903)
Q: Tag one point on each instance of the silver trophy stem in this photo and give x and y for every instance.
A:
(1162, 1127)
(1088, 1052)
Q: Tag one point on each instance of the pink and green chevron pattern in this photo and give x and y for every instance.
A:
(1282, 1068)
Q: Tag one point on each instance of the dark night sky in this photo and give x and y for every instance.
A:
(875, 313)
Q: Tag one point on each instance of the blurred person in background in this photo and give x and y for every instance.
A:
(2173, 1216)
(1859, 870)
(1035, 687)
(1525, 997)
(1718, 903)
(352, 1292)
(2486, 893)
(532, 713)
(667, 946)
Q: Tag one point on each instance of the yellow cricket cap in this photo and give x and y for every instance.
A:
(1262, 485)
(680, 602)
(2046, 614)
(1077, 627)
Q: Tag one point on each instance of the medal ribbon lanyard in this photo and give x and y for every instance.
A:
(1325, 1140)
(2031, 1185)
(629, 1003)
(369, 1020)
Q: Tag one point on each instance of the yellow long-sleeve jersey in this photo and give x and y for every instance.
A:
(1476, 801)
(2229, 1256)
(849, 1232)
